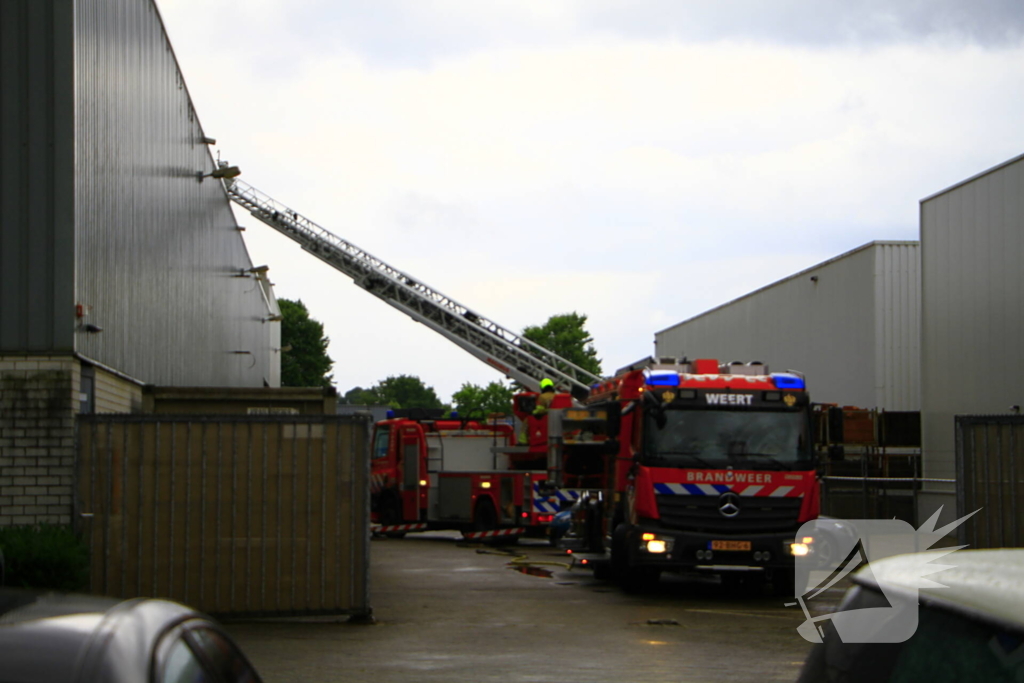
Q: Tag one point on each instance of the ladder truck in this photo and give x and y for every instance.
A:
(712, 470)
(427, 473)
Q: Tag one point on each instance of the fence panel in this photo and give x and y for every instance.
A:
(248, 515)
(989, 461)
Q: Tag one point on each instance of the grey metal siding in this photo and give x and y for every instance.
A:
(161, 263)
(898, 320)
(36, 175)
(972, 320)
(852, 329)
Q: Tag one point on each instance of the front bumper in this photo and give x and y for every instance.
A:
(691, 551)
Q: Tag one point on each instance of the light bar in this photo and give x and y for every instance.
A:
(663, 379)
(786, 381)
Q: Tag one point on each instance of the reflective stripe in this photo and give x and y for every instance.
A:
(781, 491)
(496, 532)
(382, 528)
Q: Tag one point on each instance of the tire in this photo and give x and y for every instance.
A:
(485, 517)
(391, 513)
(631, 579)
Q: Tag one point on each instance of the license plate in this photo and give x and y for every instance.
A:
(730, 545)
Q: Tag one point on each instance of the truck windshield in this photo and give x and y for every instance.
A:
(753, 440)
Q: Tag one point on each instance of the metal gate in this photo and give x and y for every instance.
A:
(236, 516)
(990, 462)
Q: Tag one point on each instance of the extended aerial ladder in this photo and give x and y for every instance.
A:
(511, 354)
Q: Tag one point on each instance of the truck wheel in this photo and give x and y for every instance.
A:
(486, 517)
(391, 513)
(630, 579)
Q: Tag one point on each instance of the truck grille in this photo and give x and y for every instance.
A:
(756, 515)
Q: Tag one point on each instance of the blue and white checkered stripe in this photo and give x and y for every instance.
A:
(552, 503)
(718, 489)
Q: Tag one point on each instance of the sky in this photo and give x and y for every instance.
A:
(636, 161)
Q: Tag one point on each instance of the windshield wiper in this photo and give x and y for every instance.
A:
(779, 464)
(661, 456)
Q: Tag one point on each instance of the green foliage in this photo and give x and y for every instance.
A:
(306, 363)
(566, 336)
(403, 391)
(49, 557)
(472, 401)
(357, 396)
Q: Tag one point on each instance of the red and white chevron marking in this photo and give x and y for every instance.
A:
(496, 533)
(389, 528)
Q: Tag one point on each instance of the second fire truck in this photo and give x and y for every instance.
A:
(432, 473)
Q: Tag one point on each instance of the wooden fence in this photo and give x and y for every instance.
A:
(235, 516)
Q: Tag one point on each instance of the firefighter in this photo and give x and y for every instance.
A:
(547, 394)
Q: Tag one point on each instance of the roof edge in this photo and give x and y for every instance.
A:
(974, 177)
(805, 271)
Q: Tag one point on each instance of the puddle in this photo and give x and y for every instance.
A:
(532, 571)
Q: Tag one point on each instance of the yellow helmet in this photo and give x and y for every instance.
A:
(547, 384)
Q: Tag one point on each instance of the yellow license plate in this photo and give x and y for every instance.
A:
(730, 545)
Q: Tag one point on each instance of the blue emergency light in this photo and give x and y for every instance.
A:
(663, 379)
(785, 380)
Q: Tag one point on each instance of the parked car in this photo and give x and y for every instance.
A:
(969, 629)
(53, 638)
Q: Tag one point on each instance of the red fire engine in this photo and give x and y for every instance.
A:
(713, 470)
(430, 473)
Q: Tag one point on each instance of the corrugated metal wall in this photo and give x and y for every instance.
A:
(37, 241)
(102, 205)
(897, 326)
(159, 254)
(972, 322)
(849, 329)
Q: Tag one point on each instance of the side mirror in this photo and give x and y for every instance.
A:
(653, 406)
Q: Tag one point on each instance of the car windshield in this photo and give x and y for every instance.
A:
(753, 440)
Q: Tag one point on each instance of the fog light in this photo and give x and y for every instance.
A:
(757, 556)
(766, 556)
(700, 554)
(656, 546)
(799, 549)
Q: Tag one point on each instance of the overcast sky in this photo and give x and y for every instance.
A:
(637, 162)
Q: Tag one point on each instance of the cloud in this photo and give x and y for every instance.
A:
(574, 156)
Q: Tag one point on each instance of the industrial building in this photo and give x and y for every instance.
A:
(121, 263)
(972, 319)
(849, 324)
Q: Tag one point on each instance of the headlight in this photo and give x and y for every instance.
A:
(799, 549)
(656, 546)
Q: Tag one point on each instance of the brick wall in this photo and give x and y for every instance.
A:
(38, 402)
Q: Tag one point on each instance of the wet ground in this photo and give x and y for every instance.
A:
(451, 611)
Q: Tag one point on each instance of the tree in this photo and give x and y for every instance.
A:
(305, 363)
(357, 396)
(472, 401)
(403, 391)
(566, 336)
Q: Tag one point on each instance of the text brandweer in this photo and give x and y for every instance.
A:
(730, 477)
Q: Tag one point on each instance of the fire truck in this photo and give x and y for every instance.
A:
(710, 468)
(432, 473)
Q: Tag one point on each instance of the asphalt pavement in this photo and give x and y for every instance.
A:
(446, 610)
